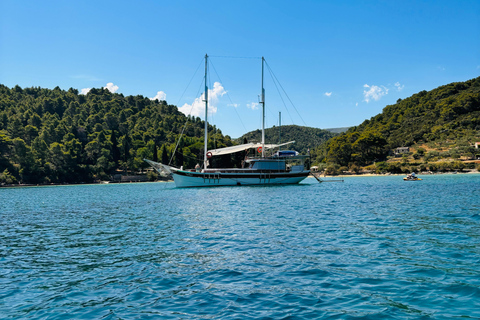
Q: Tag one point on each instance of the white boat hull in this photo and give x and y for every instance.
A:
(184, 179)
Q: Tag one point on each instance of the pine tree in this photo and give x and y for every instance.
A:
(155, 153)
(115, 150)
(164, 155)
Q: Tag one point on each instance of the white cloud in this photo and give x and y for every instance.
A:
(328, 94)
(111, 87)
(235, 105)
(85, 90)
(197, 108)
(253, 106)
(160, 96)
(374, 92)
(356, 104)
(399, 86)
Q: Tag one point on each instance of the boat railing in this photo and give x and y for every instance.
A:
(281, 158)
(247, 170)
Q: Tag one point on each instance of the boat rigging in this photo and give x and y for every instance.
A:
(282, 167)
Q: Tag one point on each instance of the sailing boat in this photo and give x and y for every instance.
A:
(281, 167)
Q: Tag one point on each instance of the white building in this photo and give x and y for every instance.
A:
(401, 150)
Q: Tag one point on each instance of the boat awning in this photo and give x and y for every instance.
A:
(232, 149)
(243, 147)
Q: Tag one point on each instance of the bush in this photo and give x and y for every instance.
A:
(7, 178)
(470, 165)
(444, 166)
(332, 169)
(408, 169)
(343, 169)
(458, 165)
(102, 176)
(432, 155)
(421, 152)
(381, 167)
(394, 167)
(152, 175)
(354, 168)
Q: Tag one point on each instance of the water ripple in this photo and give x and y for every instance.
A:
(369, 248)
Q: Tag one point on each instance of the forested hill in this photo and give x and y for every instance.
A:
(448, 113)
(338, 130)
(304, 137)
(63, 136)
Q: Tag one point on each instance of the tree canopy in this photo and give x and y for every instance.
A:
(448, 113)
(63, 136)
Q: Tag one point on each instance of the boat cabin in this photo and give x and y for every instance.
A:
(267, 164)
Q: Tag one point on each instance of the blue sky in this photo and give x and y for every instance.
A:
(340, 62)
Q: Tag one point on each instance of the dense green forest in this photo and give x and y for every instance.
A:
(56, 136)
(304, 137)
(446, 118)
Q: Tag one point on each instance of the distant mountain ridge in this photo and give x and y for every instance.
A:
(305, 137)
(338, 130)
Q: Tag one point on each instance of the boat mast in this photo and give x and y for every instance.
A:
(205, 160)
(262, 101)
(279, 129)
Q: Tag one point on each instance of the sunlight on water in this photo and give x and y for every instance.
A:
(368, 248)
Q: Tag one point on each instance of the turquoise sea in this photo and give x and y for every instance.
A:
(367, 248)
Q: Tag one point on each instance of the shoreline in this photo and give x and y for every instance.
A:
(393, 174)
(16, 185)
(165, 181)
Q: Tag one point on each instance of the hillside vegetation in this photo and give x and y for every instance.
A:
(305, 137)
(444, 122)
(62, 136)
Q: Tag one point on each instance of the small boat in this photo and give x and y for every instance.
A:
(411, 177)
(267, 168)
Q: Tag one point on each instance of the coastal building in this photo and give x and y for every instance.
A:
(401, 150)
